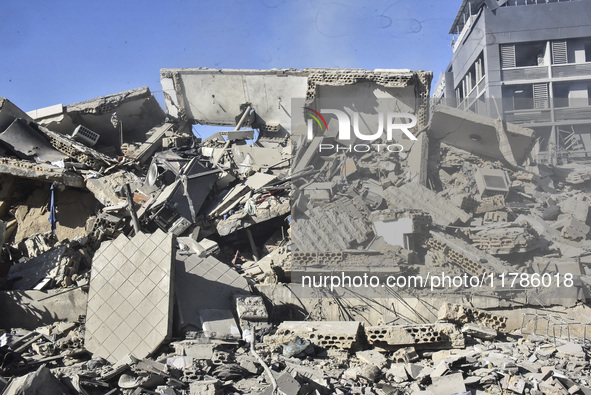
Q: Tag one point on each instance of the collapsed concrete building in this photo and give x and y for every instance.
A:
(139, 258)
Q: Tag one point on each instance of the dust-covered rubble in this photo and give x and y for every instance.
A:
(140, 258)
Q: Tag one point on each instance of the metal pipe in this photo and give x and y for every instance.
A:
(238, 126)
(134, 220)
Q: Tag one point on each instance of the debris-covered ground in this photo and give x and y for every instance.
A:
(139, 258)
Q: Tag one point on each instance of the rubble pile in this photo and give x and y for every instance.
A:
(138, 258)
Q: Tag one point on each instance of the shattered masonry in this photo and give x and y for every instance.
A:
(179, 264)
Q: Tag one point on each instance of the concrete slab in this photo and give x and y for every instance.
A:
(450, 384)
(418, 160)
(572, 350)
(9, 112)
(27, 143)
(196, 280)
(31, 309)
(26, 275)
(130, 301)
(372, 357)
(251, 308)
(42, 381)
(219, 324)
(479, 331)
(45, 112)
(209, 96)
(479, 134)
(327, 334)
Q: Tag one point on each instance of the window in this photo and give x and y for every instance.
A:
(540, 93)
(577, 50)
(479, 67)
(523, 98)
(523, 54)
(472, 78)
(571, 94)
(527, 96)
(559, 52)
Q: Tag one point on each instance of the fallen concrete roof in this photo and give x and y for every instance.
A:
(478, 134)
(214, 96)
(129, 113)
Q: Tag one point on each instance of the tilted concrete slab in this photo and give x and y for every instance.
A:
(196, 280)
(477, 134)
(41, 172)
(9, 112)
(26, 143)
(130, 301)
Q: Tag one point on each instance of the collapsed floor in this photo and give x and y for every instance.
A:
(138, 258)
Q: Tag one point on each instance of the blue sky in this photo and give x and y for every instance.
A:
(68, 51)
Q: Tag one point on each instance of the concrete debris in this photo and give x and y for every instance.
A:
(467, 256)
(431, 336)
(479, 135)
(503, 239)
(479, 331)
(338, 334)
(42, 381)
(118, 118)
(461, 314)
(219, 324)
(415, 196)
(449, 384)
(283, 254)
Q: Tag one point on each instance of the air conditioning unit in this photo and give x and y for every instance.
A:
(85, 136)
(491, 182)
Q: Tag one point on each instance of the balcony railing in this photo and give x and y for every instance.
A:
(525, 73)
(528, 116)
(481, 85)
(572, 113)
(571, 70)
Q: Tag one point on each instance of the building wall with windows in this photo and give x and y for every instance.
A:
(528, 61)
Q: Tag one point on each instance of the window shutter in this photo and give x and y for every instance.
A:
(508, 55)
(559, 53)
(541, 96)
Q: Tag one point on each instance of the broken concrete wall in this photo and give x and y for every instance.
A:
(189, 97)
(211, 97)
(130, 113)
(373, 308)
